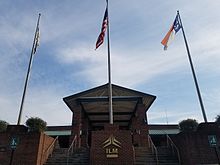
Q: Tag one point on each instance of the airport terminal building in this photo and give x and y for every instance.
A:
(91, 139)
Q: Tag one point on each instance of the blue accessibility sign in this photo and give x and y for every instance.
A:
(212, 140)
(14, 142)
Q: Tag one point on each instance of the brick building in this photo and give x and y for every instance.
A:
(90, 123)
(130, 140)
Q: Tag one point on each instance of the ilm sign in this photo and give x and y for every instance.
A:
(111, 146)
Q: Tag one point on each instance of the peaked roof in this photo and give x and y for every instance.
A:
(94, 103)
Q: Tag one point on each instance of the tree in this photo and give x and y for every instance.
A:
(3, 125)
(36, 124)
(188, 125)
(217, 119)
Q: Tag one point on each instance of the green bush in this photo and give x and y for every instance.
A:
(36, 124)
(188, 125)
(3, 125)
(217, 119)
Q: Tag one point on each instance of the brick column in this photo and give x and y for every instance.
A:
(135, 132)
(142, 117)
(139, 127)
(76, 125)
(84, 128)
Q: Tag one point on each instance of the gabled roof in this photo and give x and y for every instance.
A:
(94, 102)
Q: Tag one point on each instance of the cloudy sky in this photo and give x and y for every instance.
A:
(66, 62)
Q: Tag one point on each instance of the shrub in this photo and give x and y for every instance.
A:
(36, 124)
(3, 125)
(217, 119)
(188, 125)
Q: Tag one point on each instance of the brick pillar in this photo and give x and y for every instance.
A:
(139, 127)
(142, 118)
(76, 125)
(135, 132)
(84, 128)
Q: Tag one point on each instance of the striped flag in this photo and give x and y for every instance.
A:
(36, 40)
(100, 39)
(171, 33)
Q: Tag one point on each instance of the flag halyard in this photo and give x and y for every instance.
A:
(100, 39)
(176, 26)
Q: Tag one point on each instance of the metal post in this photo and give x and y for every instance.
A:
(109, 74)
(28, 73)
(193, 72)
(12, 155)
(216, 152)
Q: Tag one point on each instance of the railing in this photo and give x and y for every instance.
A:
(153, 148)
(173, 147)
(71, 148)
(49, 150)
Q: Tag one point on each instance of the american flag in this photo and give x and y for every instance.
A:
(100, 39)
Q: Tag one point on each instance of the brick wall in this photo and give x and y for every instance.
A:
(30, 147)
(125, 152)
(194, 146)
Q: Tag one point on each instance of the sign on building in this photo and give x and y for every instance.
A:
(212, 140)
(111, 146)
(14, 142)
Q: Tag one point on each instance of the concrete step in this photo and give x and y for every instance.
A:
(144, 156)
(166, 157)
(59, 157)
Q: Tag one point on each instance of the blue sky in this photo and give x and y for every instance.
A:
(66, 62)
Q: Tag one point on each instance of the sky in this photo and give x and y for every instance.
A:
(66, 61)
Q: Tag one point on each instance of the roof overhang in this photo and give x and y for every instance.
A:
(95, 104)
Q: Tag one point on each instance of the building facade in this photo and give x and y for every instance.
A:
(91, 139)
(90, 123)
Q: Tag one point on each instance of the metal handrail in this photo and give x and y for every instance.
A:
(70, 149)
(153, 148)
(173, 146)
(49, 150)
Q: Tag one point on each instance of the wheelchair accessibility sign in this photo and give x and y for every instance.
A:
(14, 142)
(212, 140)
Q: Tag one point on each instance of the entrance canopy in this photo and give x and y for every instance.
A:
(94, 103)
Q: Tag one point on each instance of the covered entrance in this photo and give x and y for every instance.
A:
(90, 122)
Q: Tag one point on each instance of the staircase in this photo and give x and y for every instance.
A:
(166, 157)
(143, 156)
(59, 157)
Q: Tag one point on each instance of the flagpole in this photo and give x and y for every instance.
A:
(28, 72)
(109, 73)
(193, 72)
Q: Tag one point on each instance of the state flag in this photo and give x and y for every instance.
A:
(171, 33)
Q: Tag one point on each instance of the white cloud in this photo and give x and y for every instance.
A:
(45, 103)
(68, 35)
